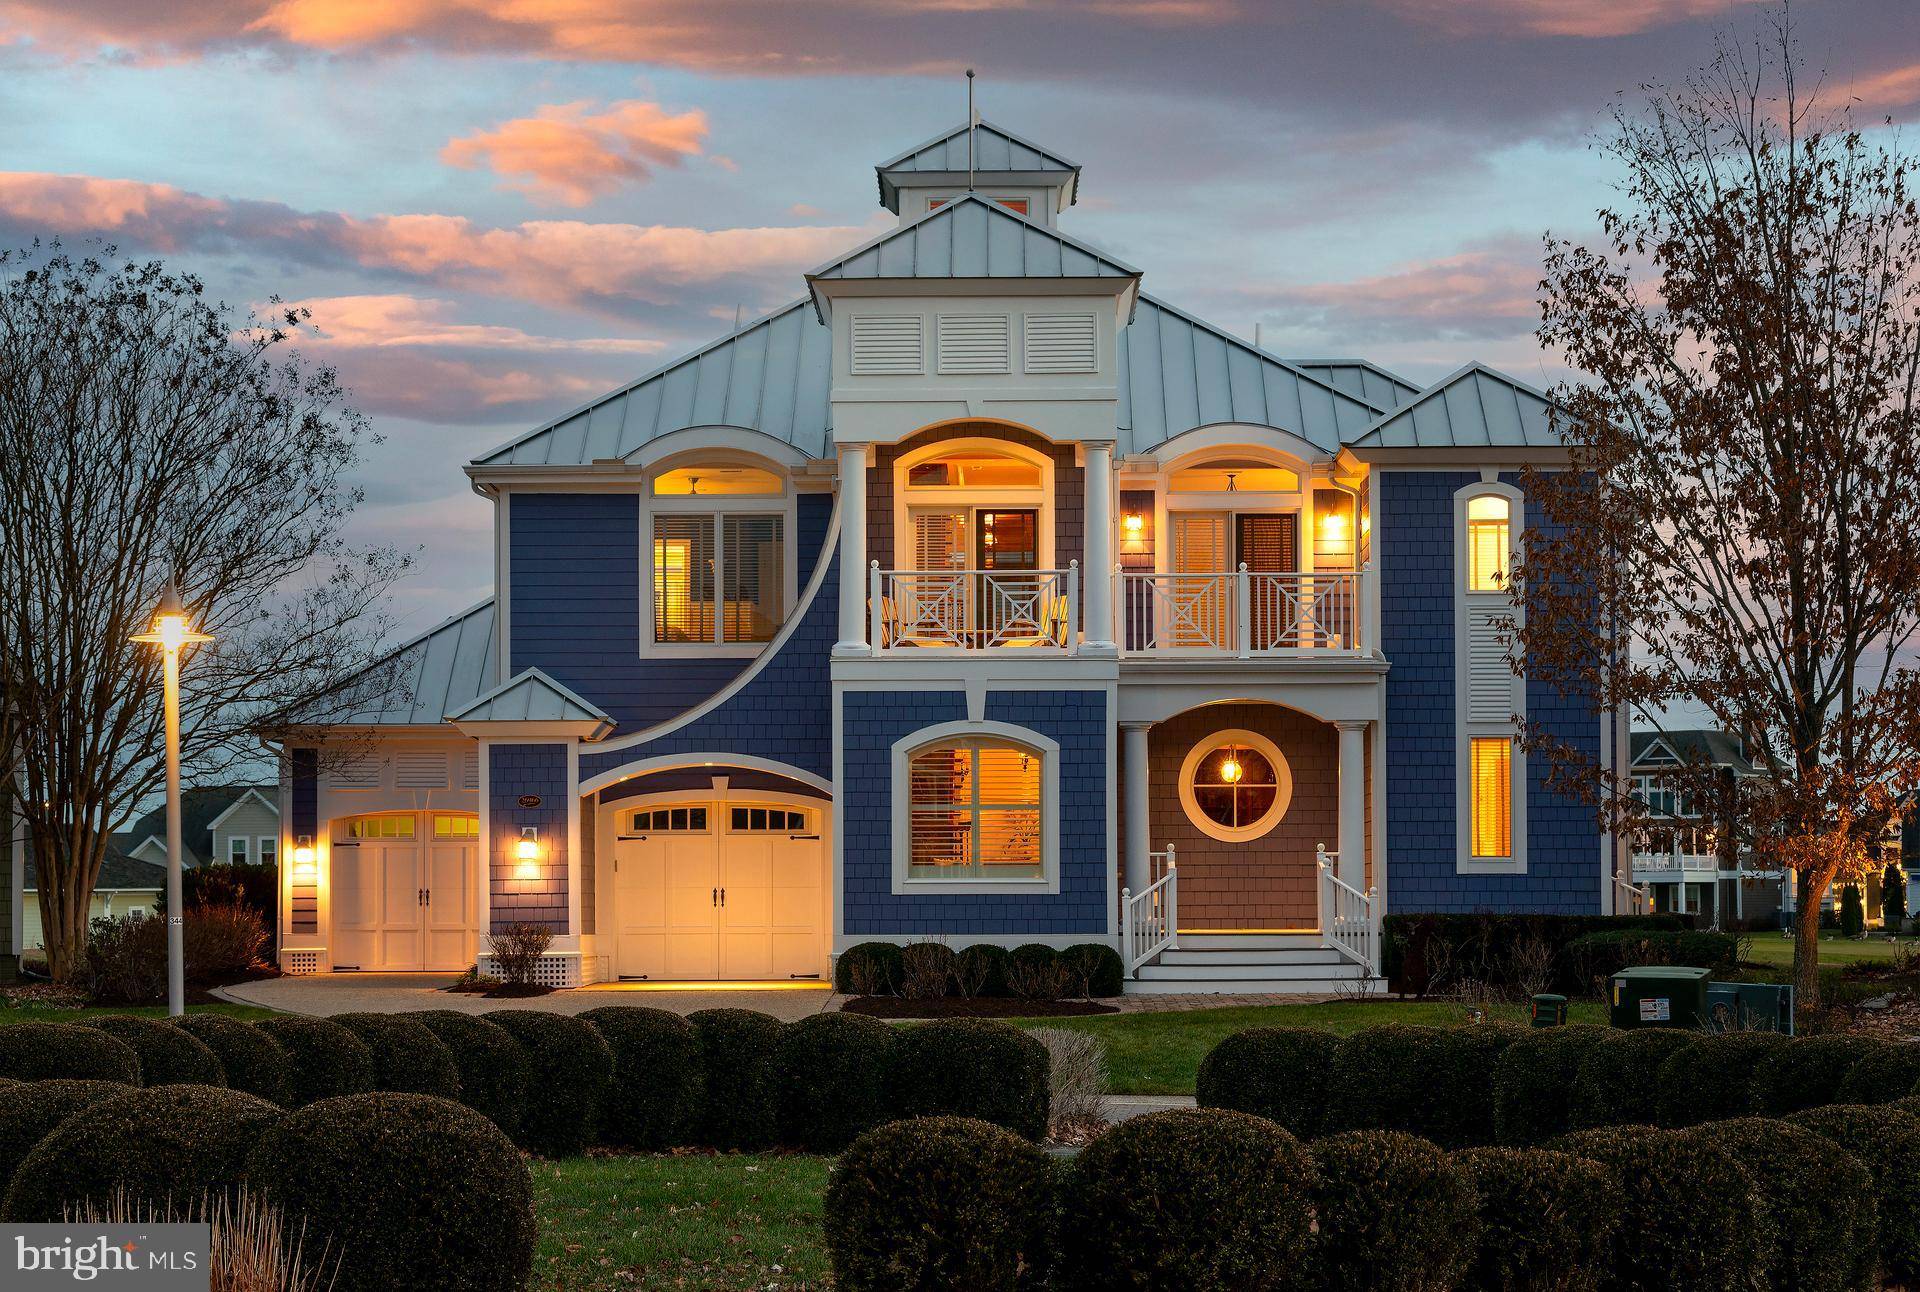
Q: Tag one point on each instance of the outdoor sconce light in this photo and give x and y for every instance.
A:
(527, 851)
(303, 868)
(1333, 524)
(1134, 524)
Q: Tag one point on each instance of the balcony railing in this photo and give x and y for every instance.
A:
(974, 610)
(1240, 612)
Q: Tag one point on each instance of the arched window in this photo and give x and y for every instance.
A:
(1228, 474)
(974, 811)
(974, 468)
(1489, 542)
(720, 574)
(715, 479)
(1235, 785)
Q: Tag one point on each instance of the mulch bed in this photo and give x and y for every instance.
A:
(973, 1007)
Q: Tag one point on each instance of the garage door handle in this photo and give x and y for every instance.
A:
(723, 897)
(716, 897)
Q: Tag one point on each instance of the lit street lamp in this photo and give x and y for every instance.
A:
(172, 633)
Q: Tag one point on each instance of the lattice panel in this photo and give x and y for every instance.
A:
(301, 960)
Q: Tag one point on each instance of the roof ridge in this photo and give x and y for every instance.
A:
(947, 209)
(983, 123)
(1261, 353)
(1466, 369)
(536, 675)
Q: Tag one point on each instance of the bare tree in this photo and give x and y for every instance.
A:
(146, 433)
(1741, 533)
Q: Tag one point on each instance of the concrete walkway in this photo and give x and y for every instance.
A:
(1118, 1108)
(369, 993)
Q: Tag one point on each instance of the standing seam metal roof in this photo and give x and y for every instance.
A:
(995, 151)
(529, 696)
(1362, 379)
(971, 237)
(1476, 407)
(441, 670)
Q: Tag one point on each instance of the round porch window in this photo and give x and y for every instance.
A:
(1235, 785)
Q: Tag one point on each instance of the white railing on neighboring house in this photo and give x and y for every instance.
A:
(974, 610)
(1629, 899)
(1239, 612)
(1149, 919)
(1347, 923)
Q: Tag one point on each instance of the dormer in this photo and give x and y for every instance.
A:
(1021, 176)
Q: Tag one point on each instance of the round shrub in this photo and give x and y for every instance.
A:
(981, 970)
(28, 1110)
(970, 1067)
(168, 1056)
(739, 1070)
(941, 1204)
(407, 1057)
(1887, 1143)
(1532, 1079)
(1200, 1199)
(165, 1143)
(492, 1065)
(1688, 1212)
(1546, 1219)
(1034, 972)
(1709, 1080)
(1093, 968)
(1427, 1081)
(1393, 1213)
(1459, 1063)
(252, 1060)
(324, 1059)
(1615, 1083)
(569, 1077)
(1806, 1072)
(409, 1190)
(830, 1074)
(868, 969)
(1818, 1195)
(1280, 1073)
(655, 1099)
(1882, 1075)
(66, 1051)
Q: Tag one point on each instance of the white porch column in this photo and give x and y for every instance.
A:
(853, 550)
(1353, 804)
(1133, 766)
(1097, 569)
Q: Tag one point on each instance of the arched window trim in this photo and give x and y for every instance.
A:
(1040, 746)
(1283, 783)
(1467, 727)
(905, 500)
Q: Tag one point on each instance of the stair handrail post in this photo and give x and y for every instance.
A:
(1321, 894)
(1073, 606)
(1173, 902)
(1373, 930)
(1126, 928)
(874, 617)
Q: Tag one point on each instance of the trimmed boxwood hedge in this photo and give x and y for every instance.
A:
(970, 1067)
(66, 1051)
(164, 1144)
(1484, 944)
(252, 1060)
(1882, 1075)
(493, 1066)
(1887, 1141)
(168, 1055)
(1380, 1074)
(1195, 1198)
(831, 1075)
(29, 1109)
(1532, 1079)
(1546, 1219)
(939, 1204)
(1392, 1212)
(1709, 1080)
(985, 964)
(1280, 1073)
(409, 1191)
(1819, 1197)
(1616, 1084)
(1033, 971)
(1806, 1072)
(1095, 966)
(1592, 958)
(569, 1077)
(739, 1071)
(654, 1102)
(407, 1057)
(324, 1059)
(883, 960)
(1690, 1219)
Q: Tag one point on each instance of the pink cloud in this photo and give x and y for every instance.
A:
(1486, 292)
(412, 321)
(571, 154)
(1888, 92)
(1594, 18)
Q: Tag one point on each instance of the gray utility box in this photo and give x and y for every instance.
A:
(1751, 1006)
(1659, 996)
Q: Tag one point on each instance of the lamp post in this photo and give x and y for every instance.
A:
(172, 633)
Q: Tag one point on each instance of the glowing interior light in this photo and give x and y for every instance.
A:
(1230, 770)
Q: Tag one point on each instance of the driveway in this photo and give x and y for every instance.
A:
(372, 993)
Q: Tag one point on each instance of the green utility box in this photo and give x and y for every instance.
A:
(1751, 1006)
(1659, 996)
(1548, 1010)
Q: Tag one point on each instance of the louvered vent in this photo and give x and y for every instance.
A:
(1489, 680)
(888, 345)
(975, 343)
(420, 769)
(357, 773)
(1061, 343)
(470, 770)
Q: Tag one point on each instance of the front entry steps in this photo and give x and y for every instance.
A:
(1231, 964)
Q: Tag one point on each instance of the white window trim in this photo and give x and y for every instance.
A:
(901, 797)
(246, 850)
(955, 497)
(1283, 782)
(1465, 863)
(781, 504)
(260, 846)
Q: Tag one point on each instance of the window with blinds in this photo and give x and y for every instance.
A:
(1491, 777)
(974, 812)
(718, 578)
(1488, 543)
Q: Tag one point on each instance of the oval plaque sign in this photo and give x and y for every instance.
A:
(529, 800)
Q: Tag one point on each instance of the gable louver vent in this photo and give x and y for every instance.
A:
(1489, 679)
(1061, 343)
(420, 769)
(888, 345)
(975, 343)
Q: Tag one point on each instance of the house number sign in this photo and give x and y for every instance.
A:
(529, 800)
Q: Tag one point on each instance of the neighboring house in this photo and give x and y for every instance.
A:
(975, 595)
(238, 824)
(126, 886)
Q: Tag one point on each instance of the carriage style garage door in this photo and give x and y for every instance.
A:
(719, 891)
(403, 891)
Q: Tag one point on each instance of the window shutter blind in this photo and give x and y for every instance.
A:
(754, 577)
(1061, 343)
(1492, 785)
(683, 578)
(975, 343)
(1489, 680)
(888, 345)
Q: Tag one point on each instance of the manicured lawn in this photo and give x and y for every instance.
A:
(1159, 1053)
(1772, 949)
(718, 1221)
(248, 1012)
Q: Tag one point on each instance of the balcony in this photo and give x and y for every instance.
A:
(974, 610)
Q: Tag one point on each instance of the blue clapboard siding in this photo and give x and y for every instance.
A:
(874, 720)
(1414, 529)
(574, 605)
(514, 770)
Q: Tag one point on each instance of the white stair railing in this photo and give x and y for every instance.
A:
(1347, 923)
(1149, 919)
(1629, 899)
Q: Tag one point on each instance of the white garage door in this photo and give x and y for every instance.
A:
(720, 891)
(403, 895)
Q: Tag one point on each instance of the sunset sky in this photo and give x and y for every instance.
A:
(497, 209)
